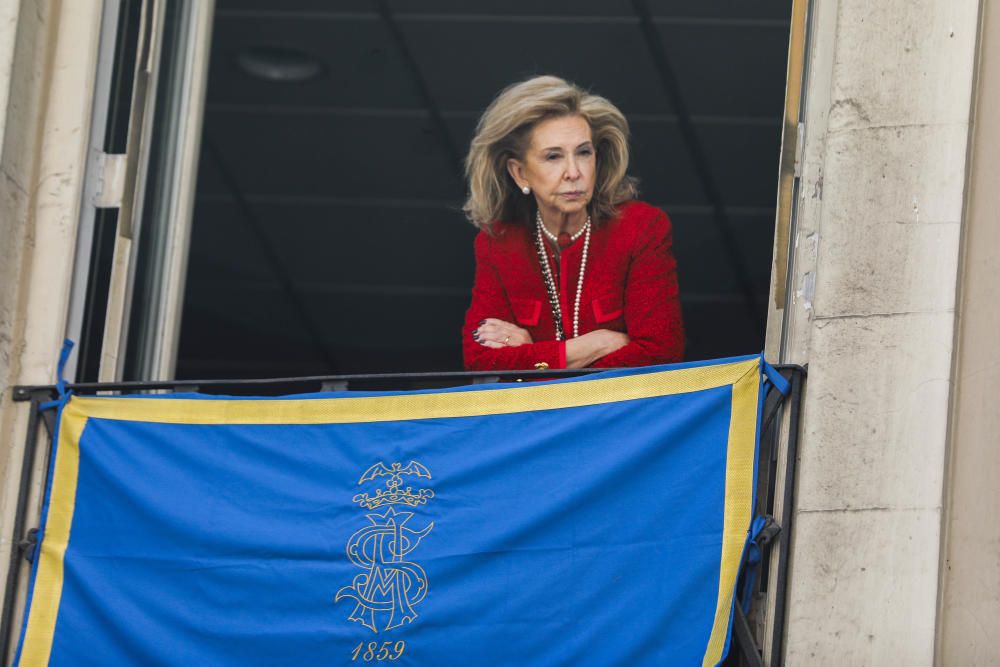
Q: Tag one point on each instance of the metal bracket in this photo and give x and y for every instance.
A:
(110, 180)
(333, 385)
(49, 422)
(770, 531)
(744, 638)
(27, 546)
(800, 141)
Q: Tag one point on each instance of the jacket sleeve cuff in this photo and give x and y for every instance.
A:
(547, 355)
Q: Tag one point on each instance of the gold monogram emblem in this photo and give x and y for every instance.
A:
(389, 587)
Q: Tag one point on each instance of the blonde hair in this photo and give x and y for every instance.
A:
(504, 132)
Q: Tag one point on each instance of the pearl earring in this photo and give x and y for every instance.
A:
(526, 190)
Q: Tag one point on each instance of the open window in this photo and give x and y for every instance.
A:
(317, 166)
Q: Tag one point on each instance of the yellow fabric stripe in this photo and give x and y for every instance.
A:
(739, 501)
(517, 398)
(49, 580)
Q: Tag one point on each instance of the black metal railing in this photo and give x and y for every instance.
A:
(748, 652)
(775, 539)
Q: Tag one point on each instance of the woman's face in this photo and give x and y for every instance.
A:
(560, 166)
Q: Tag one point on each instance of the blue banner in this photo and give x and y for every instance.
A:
(591, 521)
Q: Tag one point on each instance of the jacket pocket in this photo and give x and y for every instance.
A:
(607, 308)
(526, 311)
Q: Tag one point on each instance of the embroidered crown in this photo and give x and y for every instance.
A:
(394, 494)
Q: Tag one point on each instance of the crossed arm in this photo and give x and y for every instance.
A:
(651, 310)
(580, 352)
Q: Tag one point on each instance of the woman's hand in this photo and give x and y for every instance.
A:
(588, 348)
(495, 333)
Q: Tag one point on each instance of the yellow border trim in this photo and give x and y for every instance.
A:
(742, 375)
(47, 591)
(349, 410)
(739, 501)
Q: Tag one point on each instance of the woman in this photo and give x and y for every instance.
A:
(571, 271)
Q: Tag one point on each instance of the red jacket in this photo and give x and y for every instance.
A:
(630, 285)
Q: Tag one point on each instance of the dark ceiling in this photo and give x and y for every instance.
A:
(327, 233)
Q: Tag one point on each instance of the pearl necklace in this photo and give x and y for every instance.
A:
(550, 283)
(554, 237)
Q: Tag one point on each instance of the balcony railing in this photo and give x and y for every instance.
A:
(777, 410)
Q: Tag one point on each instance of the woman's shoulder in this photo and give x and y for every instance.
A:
(502, 236)
(639, 218)
(639, 212)
(501, 232)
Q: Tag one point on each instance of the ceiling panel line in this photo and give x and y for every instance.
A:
(447, 204)
(388, 112)
(364, 202)
(285, 282)
(315, 288)
(441, 130)
(590, 20)
(443, 17)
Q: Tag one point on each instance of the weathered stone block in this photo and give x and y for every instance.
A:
(889, 234)
(852, 599)
(876, 411)
(903, 63)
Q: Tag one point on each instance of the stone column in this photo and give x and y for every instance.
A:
(969, 620)
(48, 55)
(872, 312)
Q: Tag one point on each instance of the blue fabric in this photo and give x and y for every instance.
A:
(777, 379)
(64, 353)
(585, 536)
(753, 556)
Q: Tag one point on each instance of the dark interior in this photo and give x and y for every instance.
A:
(327, 233)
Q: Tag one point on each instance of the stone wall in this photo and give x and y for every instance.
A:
(872, 313)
